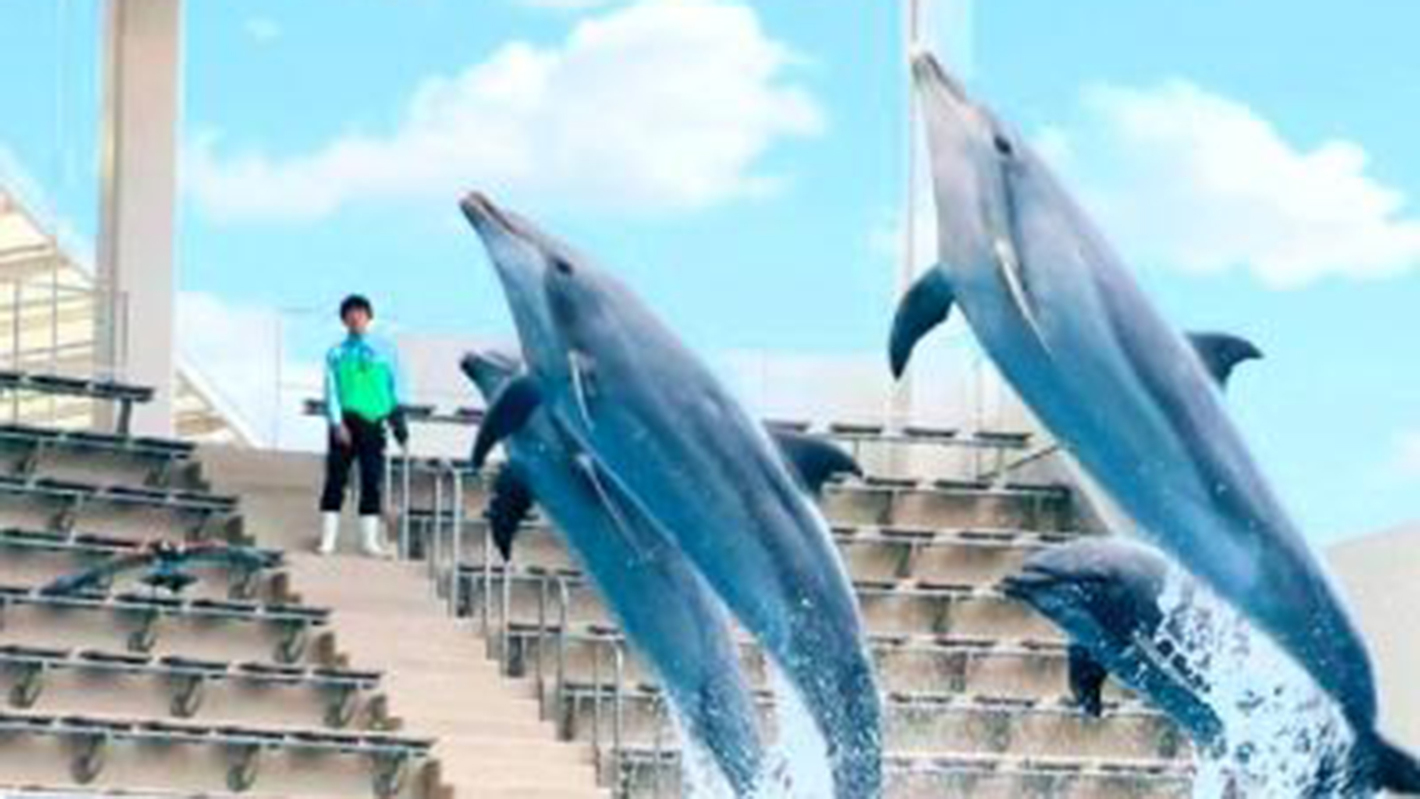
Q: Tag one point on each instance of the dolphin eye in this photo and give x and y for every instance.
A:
(1003, 146)
(562, 266)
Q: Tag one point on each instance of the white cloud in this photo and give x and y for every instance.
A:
(664, 104)
(1189, 179)
(1407, 459)
(262, 29)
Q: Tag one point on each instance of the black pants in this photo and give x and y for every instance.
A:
(367, 447)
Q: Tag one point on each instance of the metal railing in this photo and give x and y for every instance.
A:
(482, 591)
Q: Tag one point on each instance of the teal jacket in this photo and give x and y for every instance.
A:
(363, 377)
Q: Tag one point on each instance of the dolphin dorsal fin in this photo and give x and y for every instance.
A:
(1222, 352)
(814, 460)
(508, 413)
(925, 305)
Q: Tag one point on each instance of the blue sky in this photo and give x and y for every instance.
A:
(743, 165)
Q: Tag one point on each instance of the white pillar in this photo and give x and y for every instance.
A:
(138, 175)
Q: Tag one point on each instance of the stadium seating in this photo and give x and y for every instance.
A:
(240, 685)
(976, 682)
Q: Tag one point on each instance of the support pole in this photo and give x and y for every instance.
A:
(138, 178)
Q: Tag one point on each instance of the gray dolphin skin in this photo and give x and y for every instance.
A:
(1105, 594)
(657, 430)
(667, 612)
(1067, 326)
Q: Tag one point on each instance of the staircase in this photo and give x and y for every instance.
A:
(975, 682)
(326, 678)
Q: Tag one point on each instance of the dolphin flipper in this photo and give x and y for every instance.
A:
(1087, 678)
(814, 460)
(509, 412)
(922, 308)
(508, 505)
(1222, 352)
(1387, 767)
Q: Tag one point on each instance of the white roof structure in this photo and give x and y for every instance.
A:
(48, 323)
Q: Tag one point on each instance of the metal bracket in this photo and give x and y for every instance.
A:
(187, 699)
(145, 635)
(344, 703)
(28, 685)
(65, 520)
(244, 584)
(294, 637)
(378, 712)
(89, 762)
(391, 772)
(29, 464)
(246, 763)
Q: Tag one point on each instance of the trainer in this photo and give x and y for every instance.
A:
(363, 393)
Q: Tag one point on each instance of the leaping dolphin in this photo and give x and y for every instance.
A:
(1105, 594)
(651, 420)
(667, 612)
(1068, 327)
(1109, 596)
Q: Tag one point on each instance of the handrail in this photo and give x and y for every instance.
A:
(456, 538)
(617, 708)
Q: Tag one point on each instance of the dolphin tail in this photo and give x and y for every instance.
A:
(722, 719)
(923, 307)
(1386, 766)
(842, 695)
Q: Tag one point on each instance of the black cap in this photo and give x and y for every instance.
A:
(356, 301)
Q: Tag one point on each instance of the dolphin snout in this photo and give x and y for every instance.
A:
(479, 210)
(927, 69)
(1027, 582)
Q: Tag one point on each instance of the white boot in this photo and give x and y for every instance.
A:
(329, 532)
(371, 540)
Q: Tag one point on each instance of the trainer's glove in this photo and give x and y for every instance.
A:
(399, 426)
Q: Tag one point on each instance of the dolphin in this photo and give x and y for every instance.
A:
(649, 418)
(1067, 326)
(665, 608)
(1105, 594)
(1108, 596)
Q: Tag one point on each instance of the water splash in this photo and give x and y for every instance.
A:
(1284, 736)
(796, 758)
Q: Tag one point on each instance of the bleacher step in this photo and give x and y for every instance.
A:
(491, 741)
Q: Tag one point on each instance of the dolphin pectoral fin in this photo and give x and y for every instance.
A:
(509, 412)
(922, 308)
(1087, 678)
(1222, 352)
(814, 460)
(508, 505)
(1387, 767)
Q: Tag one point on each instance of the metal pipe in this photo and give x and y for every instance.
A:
(617, 698)
(596, 695)
(404, 506)
(433, 530)
(505, 611)
(563, 600)
(542, 589)
(457, 542)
